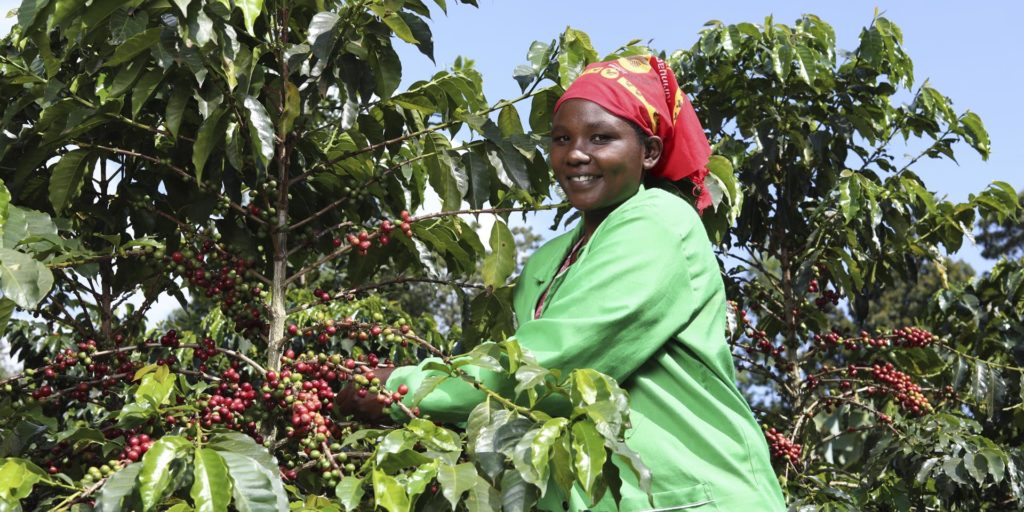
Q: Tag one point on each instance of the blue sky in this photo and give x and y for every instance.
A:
(969, 51)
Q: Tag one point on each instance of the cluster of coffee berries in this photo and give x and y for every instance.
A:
(224, 277)
(763, 343)
(95, 474)
(207, 349)
(405, 225)
(828, 339)
(62, 364)
(900, 386)
(782, 447)
(912, 337)
(826, 297)
(135, 446)
(228, 403)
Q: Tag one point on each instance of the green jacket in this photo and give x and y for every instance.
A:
(644, 303)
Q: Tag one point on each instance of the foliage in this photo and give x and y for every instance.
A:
(898, 417)
(1002, 236)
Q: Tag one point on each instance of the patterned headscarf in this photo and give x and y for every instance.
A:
(643, 89)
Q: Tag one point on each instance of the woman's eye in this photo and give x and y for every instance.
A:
(559, 139)
(600, 137)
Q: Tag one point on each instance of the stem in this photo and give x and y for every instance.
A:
(437, 127)
(345, 295)
(346, 248)
(177, 170)
(279, 235)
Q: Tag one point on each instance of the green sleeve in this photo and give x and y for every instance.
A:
(616, 306)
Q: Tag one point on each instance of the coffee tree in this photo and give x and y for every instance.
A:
(902, 417)
(257, 161)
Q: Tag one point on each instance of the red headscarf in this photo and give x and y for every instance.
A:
(643, 89)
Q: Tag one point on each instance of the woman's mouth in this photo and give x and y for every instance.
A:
(582, 179)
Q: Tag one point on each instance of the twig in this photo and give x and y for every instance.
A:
(343, 295)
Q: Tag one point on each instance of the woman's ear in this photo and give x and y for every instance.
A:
(653, 147)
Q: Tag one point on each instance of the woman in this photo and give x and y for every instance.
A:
(634, 291)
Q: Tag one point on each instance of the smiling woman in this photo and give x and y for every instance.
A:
(635, 292)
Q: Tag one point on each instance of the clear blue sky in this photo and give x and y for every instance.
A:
(972, 52)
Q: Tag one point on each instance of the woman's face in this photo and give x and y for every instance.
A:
(597, 157)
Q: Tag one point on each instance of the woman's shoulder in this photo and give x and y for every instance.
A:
(658, 209)
(662, 200)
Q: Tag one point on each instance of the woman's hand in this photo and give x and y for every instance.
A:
(367, 408)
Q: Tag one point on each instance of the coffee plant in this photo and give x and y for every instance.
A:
(258, 162)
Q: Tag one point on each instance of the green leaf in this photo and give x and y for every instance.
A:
(421, 478)
(590, 455)
(501, 262)
(428, 385)
(806, 68)
(23, 279)
(576, 53)
(421, 32)
(125, 79)
(67, 178)
(134, 45)
(5, 203)
(176, 108)
(441, 173)
(509, 122)
(517, 495)
(241, 444)
(210, 135)
(211, 488)
(640, 470)
(350, 492)
(541, 107)
(434, 437)
(995, 462)
(481, 175)
(850, 198)
(154, 390)
(256, 488)
(251, 10)
(722, 169)
(482, 497)
(321, 34)
(387, 68)
(292, 108)
(144, 89)
(529, 376)
(29, 11)
(388, 493)
(455, 480)
(541, 446)
(16, 480)
(156, 468)
(400, 28)
(562, 471)
(976, 134)
(261, 129)
(118, 486)
(6, 309)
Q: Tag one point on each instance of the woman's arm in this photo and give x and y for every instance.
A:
(631, 290)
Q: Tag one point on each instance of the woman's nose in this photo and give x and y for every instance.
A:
(577, 156)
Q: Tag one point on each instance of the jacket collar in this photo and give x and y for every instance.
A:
(561, 245)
